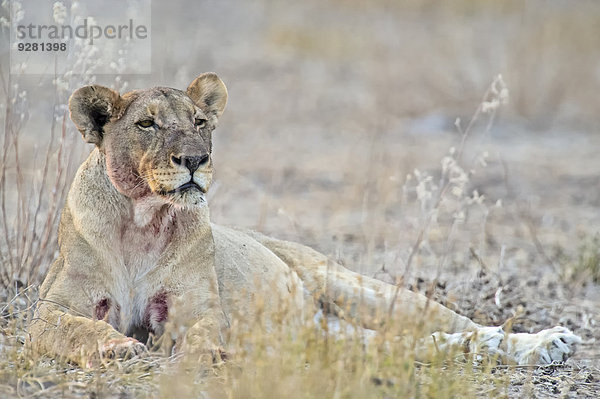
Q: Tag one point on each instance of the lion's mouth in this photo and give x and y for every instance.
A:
(191, 185)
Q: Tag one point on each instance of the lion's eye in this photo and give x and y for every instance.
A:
(146, 123)
(199, 122)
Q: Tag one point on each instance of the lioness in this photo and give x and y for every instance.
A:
(139, 255)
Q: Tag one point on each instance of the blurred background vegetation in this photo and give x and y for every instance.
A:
(404, 58)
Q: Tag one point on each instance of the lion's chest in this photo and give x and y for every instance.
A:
(141, 250)
(142, 246)
(140, 291)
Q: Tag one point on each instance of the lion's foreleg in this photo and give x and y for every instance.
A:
(201, 343)
(78, 339)
(197, 324)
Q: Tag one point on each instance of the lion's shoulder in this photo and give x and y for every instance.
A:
(245, 265)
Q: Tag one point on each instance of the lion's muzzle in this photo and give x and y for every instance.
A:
(192, 163)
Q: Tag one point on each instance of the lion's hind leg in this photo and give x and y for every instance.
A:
(363, 300)
(371, 304)
(554, 345)
(332, 325)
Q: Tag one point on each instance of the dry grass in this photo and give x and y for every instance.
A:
(332, 106)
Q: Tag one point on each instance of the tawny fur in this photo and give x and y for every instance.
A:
(138, 254)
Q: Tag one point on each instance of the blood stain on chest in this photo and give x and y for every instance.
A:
(156, 311)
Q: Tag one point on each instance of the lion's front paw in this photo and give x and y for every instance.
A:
(203, 355)
(122, 348)
(554, 345)
(115, 349)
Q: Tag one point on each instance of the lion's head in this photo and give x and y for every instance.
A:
(157, 142)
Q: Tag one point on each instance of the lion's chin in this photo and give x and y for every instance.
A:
(187, 198)
(191, 194)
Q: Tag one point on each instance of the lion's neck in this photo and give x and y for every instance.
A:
(145, 224)
(150, 209)
(145, 235)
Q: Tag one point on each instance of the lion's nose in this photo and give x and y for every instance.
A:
(190, 162)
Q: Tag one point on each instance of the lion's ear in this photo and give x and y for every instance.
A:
(209, 93)
(91, 107)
